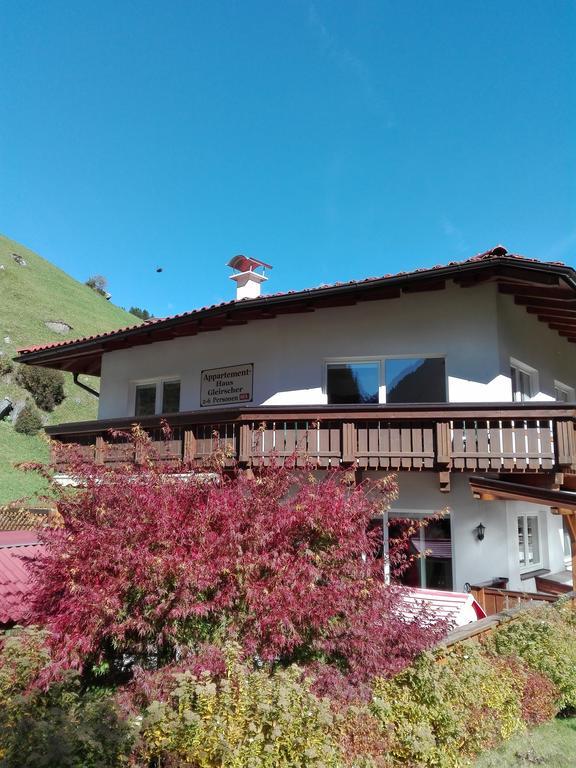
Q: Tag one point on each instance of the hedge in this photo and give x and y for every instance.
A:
(442, 710)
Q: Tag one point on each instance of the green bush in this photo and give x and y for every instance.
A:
(545, 639)
(28, 421)
(45, 385)
(249, 718)
(439, 711)
(6, 365)
(57, 726)
(23, 654)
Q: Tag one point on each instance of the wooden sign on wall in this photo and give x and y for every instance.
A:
(227, 386)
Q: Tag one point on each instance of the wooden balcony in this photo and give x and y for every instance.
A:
(511, 437)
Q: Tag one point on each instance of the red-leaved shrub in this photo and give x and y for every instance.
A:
(151, 564)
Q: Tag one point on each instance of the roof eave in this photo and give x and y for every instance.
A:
(94, 348)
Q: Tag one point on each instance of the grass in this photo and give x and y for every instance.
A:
(552, 745)
(31, 295)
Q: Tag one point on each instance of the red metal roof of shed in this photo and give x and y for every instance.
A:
(17, 548)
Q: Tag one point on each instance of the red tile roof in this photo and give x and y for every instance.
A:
(498, 254)
(17, 548)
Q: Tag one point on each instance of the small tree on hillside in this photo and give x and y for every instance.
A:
(98, 283)
(150, 565)
(44, 384)
(143, 314)
(28, 421)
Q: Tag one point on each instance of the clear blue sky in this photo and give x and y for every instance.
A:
(335, 140)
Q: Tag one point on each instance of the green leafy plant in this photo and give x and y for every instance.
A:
(247, 718)
(545, 639)
(28, 421)
(44, 384)
(6, 365)
(58, 725)
(439, 710)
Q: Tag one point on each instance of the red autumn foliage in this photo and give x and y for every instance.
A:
(150, 565)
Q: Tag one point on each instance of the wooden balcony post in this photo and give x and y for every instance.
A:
(189, 446)
(444, 454)
(443, 443)
(245, 447)
(99, 451)
(348, 443)
(565, 444)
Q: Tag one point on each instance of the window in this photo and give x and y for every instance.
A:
(171, 397)
(566, 543)
(416, 380)
(352, 382)
(528, 541)
(393, 380)
(429, 553)
(157, 397)
(145, 404)
(563, 393)
(522, 378)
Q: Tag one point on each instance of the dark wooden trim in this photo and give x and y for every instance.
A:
(533, 574)
(536, 291)
(533, 301)
(419, 411)
(489, 488)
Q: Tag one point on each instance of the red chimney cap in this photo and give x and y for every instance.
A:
(246, 263)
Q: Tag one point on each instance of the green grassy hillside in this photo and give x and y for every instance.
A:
(30, 295)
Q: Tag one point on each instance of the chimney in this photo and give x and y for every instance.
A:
(248, 280)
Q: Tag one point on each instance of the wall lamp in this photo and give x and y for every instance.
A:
(480, 531)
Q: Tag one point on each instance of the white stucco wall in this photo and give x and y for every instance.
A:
(289, 352)
(528, 340)
(497, 555)
(476, 329)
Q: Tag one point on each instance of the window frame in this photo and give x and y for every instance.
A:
(527, 370)
(381, 360)
(407, 514)
(566, 544)
(527, 567)
(559, 386)
(159, 384)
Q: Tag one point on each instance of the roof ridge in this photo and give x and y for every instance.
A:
(499, 252)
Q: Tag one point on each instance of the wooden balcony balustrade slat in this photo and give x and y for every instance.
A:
(533, 442)
(373, 447)
(428, 446)
(507, 446)
(471, 446)
(519, 442)
(406, 447)
(458, 451)
(395, 448)
(324, 448)
(484, 453)
(417, 452)
(335, 442)
(361, 446)
(384, 447)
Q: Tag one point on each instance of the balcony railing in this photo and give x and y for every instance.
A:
(512, 437)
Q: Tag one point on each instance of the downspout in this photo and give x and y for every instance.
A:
(85, 386)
